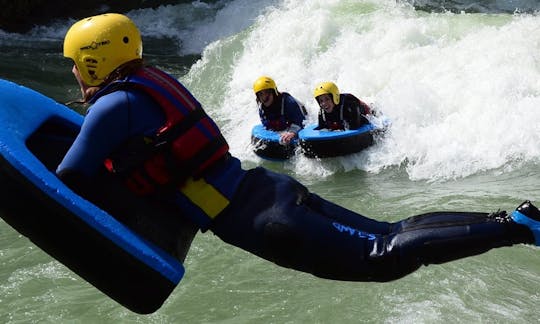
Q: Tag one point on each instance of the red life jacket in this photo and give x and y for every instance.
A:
(188, 144)
(277, 124)
(335, 125)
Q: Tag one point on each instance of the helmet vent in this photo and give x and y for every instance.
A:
(91, 65)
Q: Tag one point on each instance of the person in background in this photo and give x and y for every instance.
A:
(339, 111)
(145, 129)
(279, 111)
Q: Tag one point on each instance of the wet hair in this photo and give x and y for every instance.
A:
(119, 73)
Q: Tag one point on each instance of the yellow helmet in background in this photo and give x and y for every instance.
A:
(327, 88)
(264, 83)
(100, 44)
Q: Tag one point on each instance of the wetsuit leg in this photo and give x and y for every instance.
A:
(276, 218)
(439, 237)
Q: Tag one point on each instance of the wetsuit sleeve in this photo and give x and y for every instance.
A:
(264, 121)
(294, 112)
(108, 124)
(354, 110)
(321, 124)
(364, 107)
(353, 117)
(105, 127)
(101, 132)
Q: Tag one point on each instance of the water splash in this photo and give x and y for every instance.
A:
(461, 89)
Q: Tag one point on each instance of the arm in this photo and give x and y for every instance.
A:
(262, 117)
(321, 123)
(365, 109)
(294, 112)
(106, 127)
(355, 112)
(110, 122)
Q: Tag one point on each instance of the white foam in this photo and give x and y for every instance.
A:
(195, 25)
(462, 90)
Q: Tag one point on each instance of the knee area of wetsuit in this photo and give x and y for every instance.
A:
(280, 242)
(278, 234)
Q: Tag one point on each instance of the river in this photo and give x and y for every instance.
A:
(462, 91)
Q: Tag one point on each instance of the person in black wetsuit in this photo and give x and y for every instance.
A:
(339, 111)
(148, 131)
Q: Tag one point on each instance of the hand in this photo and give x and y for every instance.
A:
(286, 137)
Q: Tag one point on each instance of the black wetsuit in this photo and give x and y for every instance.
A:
(277, 218)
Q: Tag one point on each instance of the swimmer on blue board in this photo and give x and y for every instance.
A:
(339, 111)
(279, 111)
(145, 128)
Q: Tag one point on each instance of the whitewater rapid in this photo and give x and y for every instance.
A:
(462, 90)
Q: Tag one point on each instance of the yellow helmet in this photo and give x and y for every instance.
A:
(327, 88)
(264, 83)
(100, 44)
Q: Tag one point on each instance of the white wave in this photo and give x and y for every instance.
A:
(195, 25)
(462, 90)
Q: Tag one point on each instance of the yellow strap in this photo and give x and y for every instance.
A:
(204, 195)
